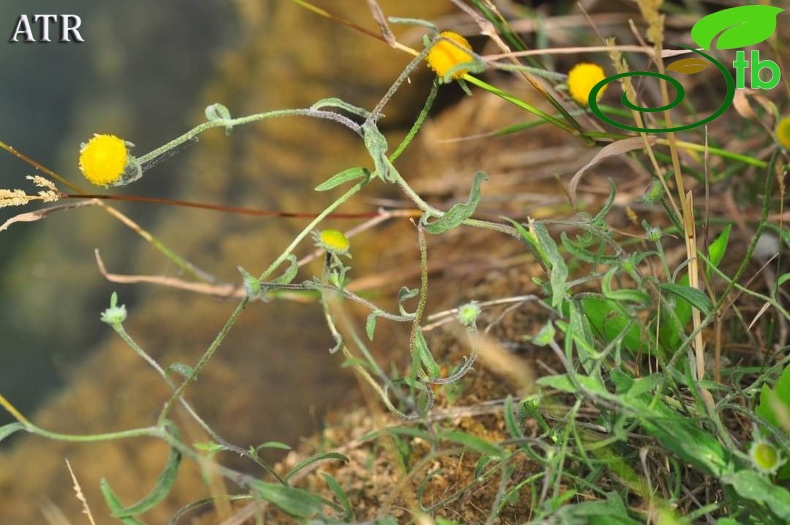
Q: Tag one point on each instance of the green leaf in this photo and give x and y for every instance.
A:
(344, 176)
(432, 368)
(252, 285)
(334, 102)
(279, 445)
(603, 512)
(609, 320)
(531, 240)
(740, 26)
(625, 295)
(10, 428)
(404, 294)
(376, 144)
(315, 459)
(564, 383)
(115, 504)
(674, 318)
(782, 388)
(727, 521)
(546, 334)
(694, 296)
(645, 385)
(623, 381)
(290, 273)
(341, 495)
(576, 250)
(217, 112)
(676, 433)
(766, 408)
(781, 393)
(558, 274)
(459, 212)
(474, 443)
(512, 423)
(296, 502)
(164, 483)
(752, 486)
(370, 324)
(210, 446)
(718, 247)
(180, 369)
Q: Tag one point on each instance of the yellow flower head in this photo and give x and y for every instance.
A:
(103, 159)
(449, 52)
(783, 132)
(582, 78)
(333, 241)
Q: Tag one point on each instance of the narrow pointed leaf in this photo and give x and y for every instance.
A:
(296, 502)
(290, 273)
(718, 247)
(694, 296)
(7, 430)
(458, 213)
(474, 443)
(376, 144)
(370, 325)
(164, 483)
(342, 177)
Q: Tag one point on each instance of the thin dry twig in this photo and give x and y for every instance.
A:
(33, 216)
(222, 290)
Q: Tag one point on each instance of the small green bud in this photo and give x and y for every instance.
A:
(468, 313)
(765, 457)
(654, 234)
(252, 286)
(546, 335)
(653, 192)
(114, 314)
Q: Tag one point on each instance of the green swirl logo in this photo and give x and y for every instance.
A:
(735, 27)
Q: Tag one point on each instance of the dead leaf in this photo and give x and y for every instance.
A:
(610, 150)
(741, 104)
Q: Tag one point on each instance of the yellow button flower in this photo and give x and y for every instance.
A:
(582, 78)
(449, 52)
(103, 159)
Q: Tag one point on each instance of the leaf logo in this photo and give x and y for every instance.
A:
(688, 66)
(741, 26)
